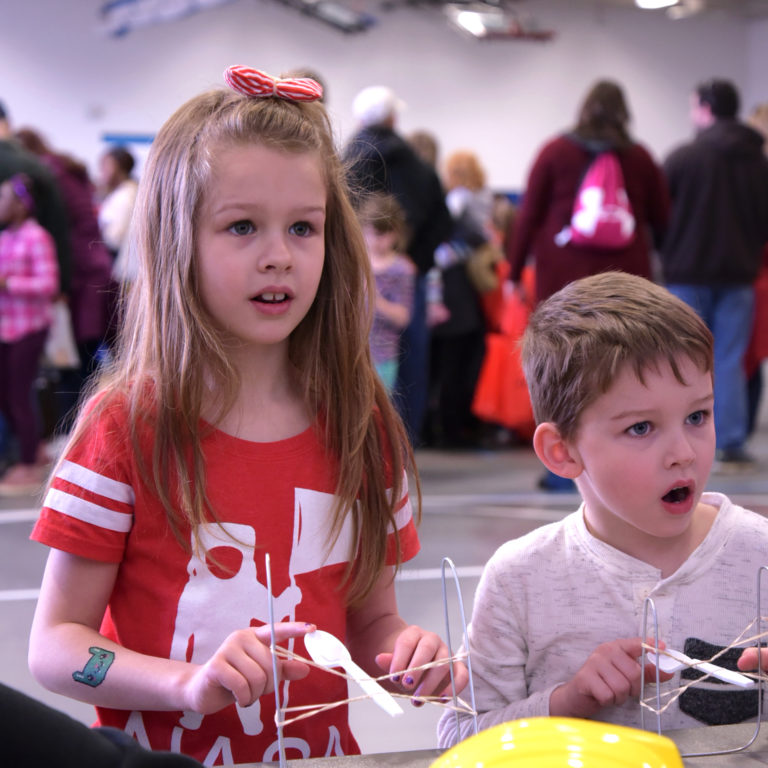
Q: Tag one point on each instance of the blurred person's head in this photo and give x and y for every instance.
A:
(5, 123)
(425, 146)
(32, 141)
(714, 100)
(383, 223)
(115, 166)
(604, 115)
(17, 201)
(377, 105)
(758, 119)
(463, 169)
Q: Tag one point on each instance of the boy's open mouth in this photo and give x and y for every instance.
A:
(676, 495)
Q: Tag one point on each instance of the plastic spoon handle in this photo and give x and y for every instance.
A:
(726, 675)
(671, 661)
(327, 650)
(379, 695)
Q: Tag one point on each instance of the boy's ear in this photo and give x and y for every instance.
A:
(554, 452)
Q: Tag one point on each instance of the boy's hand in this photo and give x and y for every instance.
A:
(241, 669)
(748, 659)
(413, 648)
(609, 677)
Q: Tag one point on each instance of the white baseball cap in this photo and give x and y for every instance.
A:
(375, 104)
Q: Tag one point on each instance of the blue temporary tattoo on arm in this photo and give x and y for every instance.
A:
(96, 669)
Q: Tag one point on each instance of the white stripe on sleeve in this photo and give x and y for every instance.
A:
(87, 511)
(96, 483)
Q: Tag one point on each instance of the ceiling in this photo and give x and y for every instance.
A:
(744, 8)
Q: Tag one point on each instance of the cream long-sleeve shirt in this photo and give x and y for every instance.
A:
(115, 213)
(548, 599)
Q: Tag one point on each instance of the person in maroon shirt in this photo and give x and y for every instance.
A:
(552, 186)
(553, 183)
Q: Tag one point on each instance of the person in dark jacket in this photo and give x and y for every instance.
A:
(380, 160)
(38, 736)
(712, 251)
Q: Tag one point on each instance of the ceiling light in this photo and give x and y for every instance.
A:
(333, 13)
(654, 4)
(685, 8)
(486, 21)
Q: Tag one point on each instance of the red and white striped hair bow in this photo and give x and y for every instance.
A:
(252, 82)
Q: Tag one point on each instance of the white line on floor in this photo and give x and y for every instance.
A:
(416, 574)
(9, 595)
(18, 515)
(422, 574)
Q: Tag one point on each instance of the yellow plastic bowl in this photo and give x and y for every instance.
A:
(562, 742)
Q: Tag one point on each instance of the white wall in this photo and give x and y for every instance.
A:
(64, 76)
(757, 65)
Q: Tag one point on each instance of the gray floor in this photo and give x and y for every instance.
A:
(472, 502)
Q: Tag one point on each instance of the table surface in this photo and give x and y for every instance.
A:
(689, 741)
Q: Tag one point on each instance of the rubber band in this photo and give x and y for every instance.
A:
(309, 710)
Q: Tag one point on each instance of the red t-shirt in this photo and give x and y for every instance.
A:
(272, 498)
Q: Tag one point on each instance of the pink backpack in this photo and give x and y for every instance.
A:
(602, 215)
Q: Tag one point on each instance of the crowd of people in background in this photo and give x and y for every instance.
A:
(61, 235)
(698, 223)
(437, 237)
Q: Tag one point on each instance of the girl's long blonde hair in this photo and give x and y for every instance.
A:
(166, 332)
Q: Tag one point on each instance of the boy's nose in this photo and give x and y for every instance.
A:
(680, 451)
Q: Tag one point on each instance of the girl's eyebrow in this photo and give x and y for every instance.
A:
(244, 206)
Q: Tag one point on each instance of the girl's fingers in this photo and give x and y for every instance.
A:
(414, 649)
(293, 670)
(284, 630)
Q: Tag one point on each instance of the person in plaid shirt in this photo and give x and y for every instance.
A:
(29, 282)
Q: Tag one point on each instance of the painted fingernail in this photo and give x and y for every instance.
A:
(396, 678)
(408, 680)
(417, 703)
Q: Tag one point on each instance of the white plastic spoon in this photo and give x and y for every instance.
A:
(328, 651)
(671, 661)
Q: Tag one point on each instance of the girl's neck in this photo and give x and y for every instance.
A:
(268, 405)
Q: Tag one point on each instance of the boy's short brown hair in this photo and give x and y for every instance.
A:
(580, 338)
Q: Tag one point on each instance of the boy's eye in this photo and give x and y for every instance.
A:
(640, 429)
(301, 228)
(243, 227)
(697, 418)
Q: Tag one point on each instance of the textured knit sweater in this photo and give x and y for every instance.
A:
(548, 599)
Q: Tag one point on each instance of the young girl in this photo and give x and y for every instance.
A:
(384, 229)
(29, 280)
(241, 418)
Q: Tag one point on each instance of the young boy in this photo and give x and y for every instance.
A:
(620, 376)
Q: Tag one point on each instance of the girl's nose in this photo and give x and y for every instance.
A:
(276, 253)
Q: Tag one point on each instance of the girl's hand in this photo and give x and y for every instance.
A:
(241, 669)
(413, 648)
